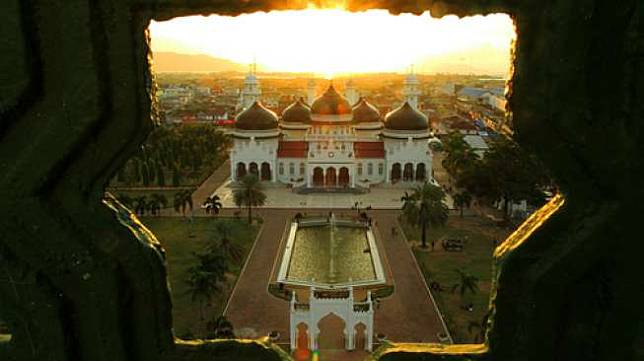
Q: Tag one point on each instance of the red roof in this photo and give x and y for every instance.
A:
(292, 149)
(369, 149)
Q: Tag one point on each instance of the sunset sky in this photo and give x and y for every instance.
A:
(329, 42)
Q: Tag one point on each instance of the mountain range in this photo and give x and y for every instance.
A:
(198, 63)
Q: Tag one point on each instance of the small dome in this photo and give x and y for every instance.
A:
(405, 117)
(364, 112)
(256, 117)
(297, 112)
(331, 103)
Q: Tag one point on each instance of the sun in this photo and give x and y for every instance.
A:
(335, 41)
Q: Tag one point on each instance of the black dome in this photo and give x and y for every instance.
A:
(331, 103)
(256, 117)
(364, 112)
(297, 112)
(405, 117)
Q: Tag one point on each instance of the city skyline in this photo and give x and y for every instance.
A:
(332, 42)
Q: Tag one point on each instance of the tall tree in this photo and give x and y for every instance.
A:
(212, 204)
(249, 194)
(462, 200)
(233, 251)
(466, 282)
(425, 207)
(460, 156)
(140, 205)
(206, 277)
(160, 175)
(183, 201)
(507, 174)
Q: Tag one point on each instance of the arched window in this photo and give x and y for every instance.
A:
(381, 168)
(370, 169)
(291, 168)
(302, 168)
(359, 168)
(281, 168)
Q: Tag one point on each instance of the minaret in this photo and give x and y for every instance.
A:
(251, 91)
(310, 92)
(411, 89)
(351, 93)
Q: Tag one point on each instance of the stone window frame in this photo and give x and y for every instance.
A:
(60, 230)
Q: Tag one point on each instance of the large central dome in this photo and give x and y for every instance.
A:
(331, 103)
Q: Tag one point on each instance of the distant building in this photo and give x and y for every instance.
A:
(477, 143)
(456, 123)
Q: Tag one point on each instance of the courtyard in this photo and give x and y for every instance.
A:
(283, 197)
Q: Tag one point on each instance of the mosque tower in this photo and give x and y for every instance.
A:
(411, 89)
(310, 92)
(351, 93)
(251, 91)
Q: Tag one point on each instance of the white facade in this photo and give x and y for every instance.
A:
(339, 303)
(348, 149)
(410, 158)
(254, 155)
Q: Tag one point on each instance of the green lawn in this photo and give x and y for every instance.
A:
(175, 233)
(476, 259)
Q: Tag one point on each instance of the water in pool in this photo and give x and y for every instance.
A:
(331, 254)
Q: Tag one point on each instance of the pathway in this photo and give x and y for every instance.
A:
(214, 181)
(250, 306)
(410, 314)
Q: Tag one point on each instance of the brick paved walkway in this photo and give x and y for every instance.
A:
(216, 179)
(409, 315)
(250, 306)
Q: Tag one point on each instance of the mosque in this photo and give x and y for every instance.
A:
(331, 141)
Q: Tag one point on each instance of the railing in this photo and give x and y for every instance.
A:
(302, 306)
(331, 294)
(361, 307)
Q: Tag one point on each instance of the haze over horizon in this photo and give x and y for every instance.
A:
(329, 42)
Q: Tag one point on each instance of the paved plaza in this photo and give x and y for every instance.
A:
(279, 196)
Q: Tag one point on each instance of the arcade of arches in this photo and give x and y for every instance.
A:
(263, 171)
(330, 177)
(408, 172)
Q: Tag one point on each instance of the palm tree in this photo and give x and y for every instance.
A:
(202, 285)
(407, 200)
(425, 207)
(153, 206)
(205, 278)
(461, 200)
(466, 282)
(163, 201)
(140, 205)
(183, 201)
(220, 327)
(249, 194)
(212, 204)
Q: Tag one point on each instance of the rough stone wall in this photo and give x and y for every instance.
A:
(81, 279)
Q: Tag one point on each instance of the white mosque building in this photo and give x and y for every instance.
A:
(331, 141)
